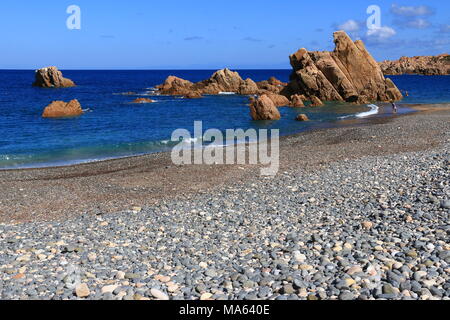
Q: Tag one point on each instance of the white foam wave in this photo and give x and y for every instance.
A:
(227, 93)
(374, 109)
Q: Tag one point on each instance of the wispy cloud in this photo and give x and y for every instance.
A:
(107, 36)
(417, 23)
(444, 28)
(412, 11)
(251, 39)
(193, 38)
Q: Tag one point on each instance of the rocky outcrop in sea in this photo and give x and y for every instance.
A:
(421, 65)
(51, 77)
(61, 109)
(349, 73)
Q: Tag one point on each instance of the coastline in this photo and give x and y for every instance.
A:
(96, 188)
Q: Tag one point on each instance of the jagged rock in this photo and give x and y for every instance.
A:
(302, 117)
(316, 102)
(51, 77)
(248, 87)
(223, 80)
(175, 86)
(297, 101)
(278, 100)
(273, 85)
(142, 100)
(349, 73)
(275, 82)
(61, 109)
(226, 80)
(262, 108)
(422, 65)
(193, 95)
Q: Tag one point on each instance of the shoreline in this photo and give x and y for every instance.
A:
(97, 188)
(354, 120)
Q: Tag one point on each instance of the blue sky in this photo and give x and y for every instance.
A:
(199, 34)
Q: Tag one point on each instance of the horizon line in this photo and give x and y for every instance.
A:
(156, 69)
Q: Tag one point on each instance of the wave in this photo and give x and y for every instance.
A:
(374, 109)
(227, 93)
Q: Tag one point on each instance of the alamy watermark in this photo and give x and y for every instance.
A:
(236, 146)
(374, 19)
(73, 22)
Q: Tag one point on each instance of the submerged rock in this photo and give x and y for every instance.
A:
(302, 117)
(349, 73)
(61, 109)
(142, 100)
(51, 77)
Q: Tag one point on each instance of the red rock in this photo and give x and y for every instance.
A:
(223, 80)
(175, 86)
(262, 108)
(61, 109)
(226, 80)
(278, 100)
(193, 95)
(302, 117)
(275, 82)
(142, 100)
(316, 102)
(349, 73)
(297, 101)
(248, 87)
(423, 65)
(51, 77)
(18, 276)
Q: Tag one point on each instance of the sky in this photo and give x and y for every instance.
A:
(212, 34)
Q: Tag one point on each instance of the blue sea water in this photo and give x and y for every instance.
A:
(113, 127)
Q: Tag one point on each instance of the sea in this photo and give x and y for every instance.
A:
(113, 127)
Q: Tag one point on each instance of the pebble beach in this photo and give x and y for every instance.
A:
(356, 212)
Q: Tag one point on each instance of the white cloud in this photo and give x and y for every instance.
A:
(410, 11)
(445, 28)
(350, 26)
(418, 23)
(380, 34)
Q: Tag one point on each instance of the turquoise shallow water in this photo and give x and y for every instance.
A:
(112, 127)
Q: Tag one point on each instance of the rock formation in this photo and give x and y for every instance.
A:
(193, 95)
(278, 100)
(422, 65)
(297, 101)
(51, 77)
(61, 109)
(175, 86)
(221, 81)
(142, 100)
(248, 87)
(302, 117)
(316, 102)
(262, 108)
(349, 73)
